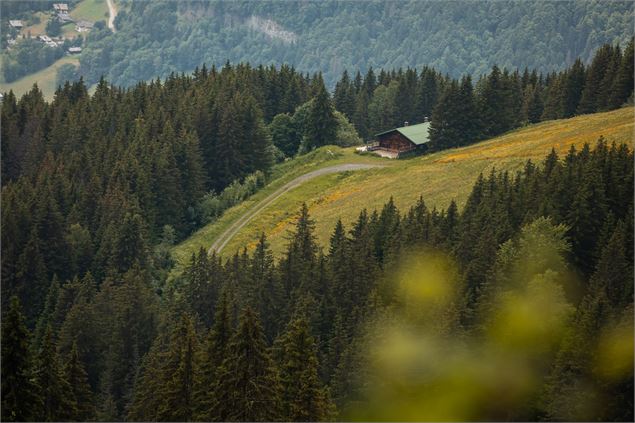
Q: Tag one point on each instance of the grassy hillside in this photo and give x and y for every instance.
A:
(45, 79)
(91, 10)
(439, 177)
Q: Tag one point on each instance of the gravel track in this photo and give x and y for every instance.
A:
(229, 233)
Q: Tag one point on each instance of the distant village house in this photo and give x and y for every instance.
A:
(17, 24)
(64, 17)
(84, 26)
(60, 7)
(74, 50)
(409, 139)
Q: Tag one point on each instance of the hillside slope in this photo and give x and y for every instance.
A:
(159, 37)
(438, 177)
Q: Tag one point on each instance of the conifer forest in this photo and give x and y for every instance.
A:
(514, 304)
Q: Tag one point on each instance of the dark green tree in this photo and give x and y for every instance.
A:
(304, 396)
(212, 355)
(180, 374)
(248, 387)
(284, 134)
(80, 389)
(55, 390)
(321, 125)
(20, 399)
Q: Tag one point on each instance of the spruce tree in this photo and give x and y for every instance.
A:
(145, 402)
(267, 287)
(298, 264)
(304, 397)
(622, 88)
(212, 355)
(55, 390)
(344, 96)
(533, 106)
(444, 131)
(248, 387)
(80, 389)
(572, 90)
(594, 76)
(179, 374)
(20, 399)
(321, 124)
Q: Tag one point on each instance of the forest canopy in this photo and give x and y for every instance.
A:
(156, 38)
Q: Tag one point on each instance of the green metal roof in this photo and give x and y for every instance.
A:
(418, 134)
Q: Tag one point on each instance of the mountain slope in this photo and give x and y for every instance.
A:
(438, 177)
(159, 37)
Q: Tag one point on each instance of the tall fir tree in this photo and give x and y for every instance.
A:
(20, 399)
(180, 374)
(321, 124)
(58, 402)
(248, 387)
(80, 389)
(304, 397)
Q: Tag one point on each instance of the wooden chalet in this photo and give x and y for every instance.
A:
(399, 141)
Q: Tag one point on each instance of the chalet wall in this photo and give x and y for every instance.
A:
(395, 142)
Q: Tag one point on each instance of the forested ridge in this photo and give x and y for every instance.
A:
(156, 38)
(248, 339)
(96, 188)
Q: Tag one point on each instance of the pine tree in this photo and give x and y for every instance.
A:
(622, 88)
(494, 103)
(46, 317)
(553, 100)
(266, 287)
(614, 273)
(444, 131)
(248, 387)
(213, 354)
(299, 262)
(594, 76)
(20, 399)
(532, 106)
(469, 121)
(54, 387)
(573, 86)
(179, 374)
(304, 397)
(321, 124)
(80, 389)
(344, 96)
(145, 402)
(32, 279)
(130, 245)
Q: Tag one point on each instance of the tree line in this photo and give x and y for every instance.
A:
(463, 112)
(85, 175)
(454, 38)
(245, 338)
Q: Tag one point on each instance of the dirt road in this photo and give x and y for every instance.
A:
(112, 12)
(229, 233)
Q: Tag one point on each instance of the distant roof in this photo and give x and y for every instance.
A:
(418, 134)
(15, 23)
(85, 24)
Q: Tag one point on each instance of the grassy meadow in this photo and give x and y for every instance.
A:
(438, 177)
(45, 79)
(91, 10)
